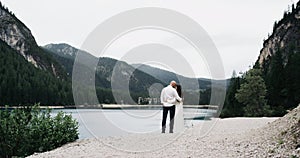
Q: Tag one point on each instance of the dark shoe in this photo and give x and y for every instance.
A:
(163, 131)
(171, 132)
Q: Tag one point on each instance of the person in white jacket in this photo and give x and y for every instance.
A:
(168, 98)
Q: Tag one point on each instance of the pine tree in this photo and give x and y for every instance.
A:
(232, 108)
(252, 94)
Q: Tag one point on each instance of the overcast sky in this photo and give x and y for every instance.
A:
(237, 27)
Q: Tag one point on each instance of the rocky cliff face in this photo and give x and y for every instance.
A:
(285, 36)
(15, 34)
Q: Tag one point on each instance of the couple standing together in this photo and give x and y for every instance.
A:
(172, 102)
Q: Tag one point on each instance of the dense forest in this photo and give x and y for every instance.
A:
(22, 83)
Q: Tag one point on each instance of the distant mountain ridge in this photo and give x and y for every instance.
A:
(62, 49)
(139, 82)
(142, 78)
(66, 54)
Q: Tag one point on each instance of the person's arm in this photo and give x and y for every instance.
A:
(162, 96)
(175, 94)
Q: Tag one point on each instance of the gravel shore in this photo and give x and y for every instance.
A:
(232, 137)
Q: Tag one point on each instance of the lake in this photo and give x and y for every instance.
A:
(116, 122)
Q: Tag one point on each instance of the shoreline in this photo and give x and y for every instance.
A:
(226, 139)
(116, 106)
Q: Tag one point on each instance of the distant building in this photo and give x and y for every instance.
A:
(148, 101)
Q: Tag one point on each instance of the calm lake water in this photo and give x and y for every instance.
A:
(104, 122)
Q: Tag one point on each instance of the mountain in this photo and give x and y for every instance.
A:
(65, 55)
(285, 37)
(139, 82)
(279, 67)
(63, 50)
(15, 34)
(105, 66)
(279, 58)
(28, 74)
(143, 76)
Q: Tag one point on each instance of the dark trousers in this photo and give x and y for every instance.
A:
(165, 114)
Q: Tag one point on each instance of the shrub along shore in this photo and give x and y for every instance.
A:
(29, 129)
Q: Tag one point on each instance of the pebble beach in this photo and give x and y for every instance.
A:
(231, 137)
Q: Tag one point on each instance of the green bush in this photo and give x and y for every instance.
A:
(30, 129)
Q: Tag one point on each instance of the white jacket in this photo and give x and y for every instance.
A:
(169, 96)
